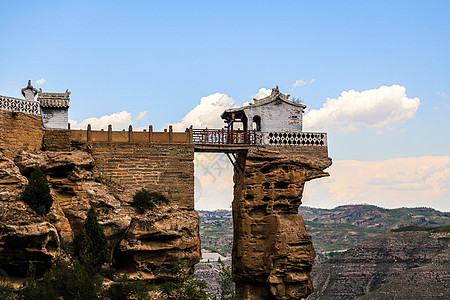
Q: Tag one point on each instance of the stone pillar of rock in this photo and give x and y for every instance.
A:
(273, 253)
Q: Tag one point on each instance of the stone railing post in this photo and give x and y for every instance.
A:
(89, 133)
(130, 133)
(170, 134)
(109, 133)
(191, 135)
(150, 134)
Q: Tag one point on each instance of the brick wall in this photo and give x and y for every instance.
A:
(57, 140)
(20, 131)
(165, 168)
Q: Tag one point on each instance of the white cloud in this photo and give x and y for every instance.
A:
(301, 82)
(409, 182)
(262, 93)
(206, 114)
(142, 116)
(41, 81)
(119, 121)
(397, 182)
(374, 108)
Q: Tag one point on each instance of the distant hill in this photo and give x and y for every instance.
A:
(345, 226)
(334, 229)
(408, 263)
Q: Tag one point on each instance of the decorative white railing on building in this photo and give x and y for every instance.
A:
(292, 138)
(20, 105)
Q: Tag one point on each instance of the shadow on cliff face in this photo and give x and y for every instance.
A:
(137, 242)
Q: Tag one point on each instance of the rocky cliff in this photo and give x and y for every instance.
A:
(137, 242)
(395, 265)
(273, 252)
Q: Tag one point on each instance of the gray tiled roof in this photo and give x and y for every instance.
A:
(54, 99)
(275, 95)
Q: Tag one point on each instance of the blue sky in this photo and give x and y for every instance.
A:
(163, 57)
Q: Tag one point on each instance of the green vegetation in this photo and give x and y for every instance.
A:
(37, 192)
(182, 285)
(6, 288)
(90, 245)
(226, 284)
(145, 200)
(62, 282)
(126, 288)
(444, 228)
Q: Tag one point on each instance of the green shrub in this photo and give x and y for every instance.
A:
(37, 192)
(7, 291)
(64, 282)
(145, 200)
(91, 245)
(182, 285)
(126, 288)
(226, 284)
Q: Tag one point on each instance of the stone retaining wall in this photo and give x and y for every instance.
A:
(20, 131)
(165, 168)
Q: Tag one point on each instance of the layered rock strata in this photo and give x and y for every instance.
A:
(395, 265)
(273, 253)
(138, 243)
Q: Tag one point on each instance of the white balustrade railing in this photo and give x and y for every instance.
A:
(292, 138)
(20, 105)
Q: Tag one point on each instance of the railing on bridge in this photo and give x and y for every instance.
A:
(252, 137)
(223, 137)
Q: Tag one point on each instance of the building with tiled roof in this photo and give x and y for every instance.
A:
(54, 109)
(274, 113)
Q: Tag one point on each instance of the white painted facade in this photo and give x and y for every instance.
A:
(55, 118)
(275, 116)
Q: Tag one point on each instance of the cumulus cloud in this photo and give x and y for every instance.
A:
(120, 120)
(302, 82)
(41, 81)
(374, 108)
(142, 116)
(392, 183)
(213, 181)
(398, 182)
(206, 114)
(262, 93)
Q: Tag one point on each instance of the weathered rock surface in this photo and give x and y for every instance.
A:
(273, 253)
(395, 265)
(137, 242)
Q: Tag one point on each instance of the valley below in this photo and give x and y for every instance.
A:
(361, 251)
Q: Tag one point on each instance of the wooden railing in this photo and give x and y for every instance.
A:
(223, 137)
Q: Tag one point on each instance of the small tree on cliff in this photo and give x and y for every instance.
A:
(226, 282)
(144, 200)
(90, 245)
(37, 192)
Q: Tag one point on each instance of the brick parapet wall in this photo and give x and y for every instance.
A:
(56, 140)
(164, 168)
(20, 131)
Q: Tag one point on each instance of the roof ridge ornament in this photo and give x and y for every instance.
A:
(31, 95)
(275, 90)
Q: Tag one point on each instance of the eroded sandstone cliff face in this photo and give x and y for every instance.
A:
(273, 253)
(395, 265)
(137, 242)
